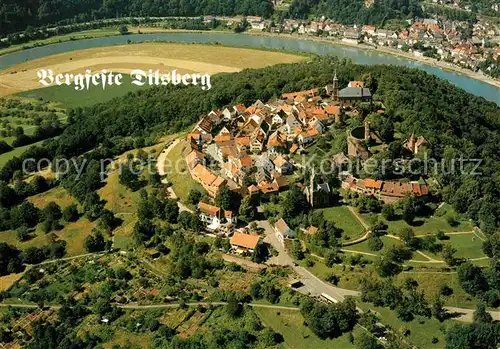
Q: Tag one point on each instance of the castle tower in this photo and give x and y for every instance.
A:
(335, 93)
(339, 119)
(367, 130)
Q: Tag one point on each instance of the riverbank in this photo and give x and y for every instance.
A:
(107, 32)
(393, 52)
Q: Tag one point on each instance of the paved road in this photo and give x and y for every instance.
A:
(312, 283)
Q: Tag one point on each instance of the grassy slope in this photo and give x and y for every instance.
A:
(290, 325)
(177, 173)
(345, 220)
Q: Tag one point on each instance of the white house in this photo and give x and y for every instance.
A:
(210, 215)
(282, 165)
(283, 231)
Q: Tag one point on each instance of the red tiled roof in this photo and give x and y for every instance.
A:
(208, 209)
(245, 240)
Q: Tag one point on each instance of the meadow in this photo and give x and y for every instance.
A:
(344, 219)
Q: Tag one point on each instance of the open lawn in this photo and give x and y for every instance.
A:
(289, 324)
(430, 281)
(434, 223)
(16, 152)
(467, 245)
(124, 58)
(363, 246)
(73, 233)
(59, 195)
(345, 220)
(7, 281)
(421, 329)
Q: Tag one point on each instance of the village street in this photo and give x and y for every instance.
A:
(312, 284)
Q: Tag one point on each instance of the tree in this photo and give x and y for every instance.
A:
(129, 176)
(96, 242)
(225, 198)
(472, 279)
(481, 315)
(52, 212)
(388, 212)
(331, 258)
(260, 253)
(375, 243)
(297, 251)
(70, 213)
(190, 221)
(123, 30)
(25, 214)
(233, 307)
(294, 204)
(22, 233)
(194, 196)
(10, 259)
(367, 341)
(386, 267)
(171, 211)
(438, 311)
(491, 247)
(248, 210)
(448, 255)
(408, 237)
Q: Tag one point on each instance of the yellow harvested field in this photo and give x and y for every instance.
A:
(186, 58)
(8, 280)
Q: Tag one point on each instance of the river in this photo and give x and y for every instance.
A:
(359, 56)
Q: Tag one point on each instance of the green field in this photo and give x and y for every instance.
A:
(363, 246)
(69, 97)
(434, 223)
(178, 175)
(430, 281)
(16, 152)
(289, 324)
(422, 329)
(345, 220)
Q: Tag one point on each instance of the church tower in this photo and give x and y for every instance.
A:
(335, 93)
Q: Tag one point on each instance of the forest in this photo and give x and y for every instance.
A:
(355, 12)
(15, 15)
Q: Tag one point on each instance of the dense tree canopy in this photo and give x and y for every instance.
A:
(16, 14)
(350, 12)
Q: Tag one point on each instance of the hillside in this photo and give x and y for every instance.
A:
(15, 15)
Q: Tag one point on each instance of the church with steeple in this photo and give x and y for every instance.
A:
(355, 92)
(332, 90)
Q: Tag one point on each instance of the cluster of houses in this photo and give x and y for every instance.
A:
(250, 150)
(387, 191)
(443, 37)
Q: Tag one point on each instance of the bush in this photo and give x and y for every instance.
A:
(375, 243)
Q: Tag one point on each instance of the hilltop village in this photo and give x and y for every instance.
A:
(255, 151)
